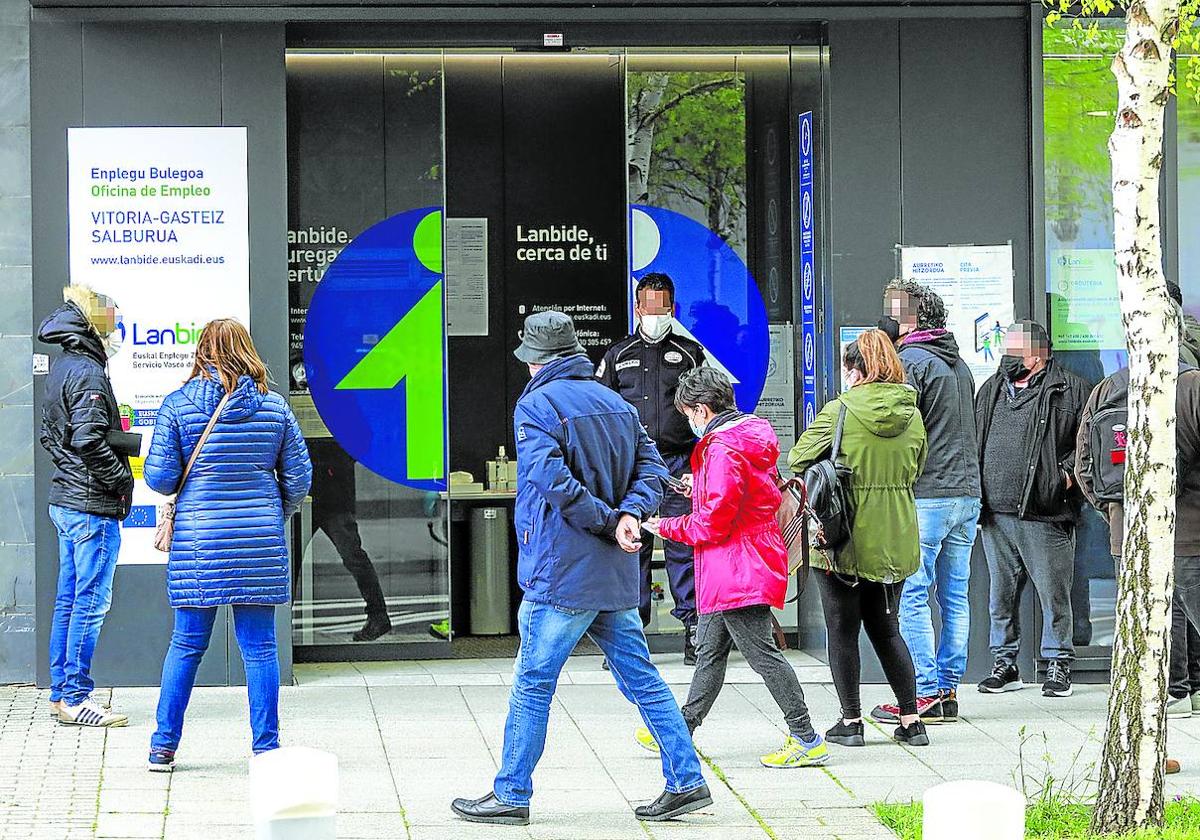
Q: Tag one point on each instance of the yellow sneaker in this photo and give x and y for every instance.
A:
(795, 754)
(645, 739)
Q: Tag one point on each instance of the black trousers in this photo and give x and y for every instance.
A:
(1185, 652)
(875, 607)
(342, 530)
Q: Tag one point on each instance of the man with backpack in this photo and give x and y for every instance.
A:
(1027, 418)
(947, 499)
(1100, 468)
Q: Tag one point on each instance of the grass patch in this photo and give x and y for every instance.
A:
(1053, 820)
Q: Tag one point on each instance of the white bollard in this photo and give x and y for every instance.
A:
(971, 810)
(294, 794)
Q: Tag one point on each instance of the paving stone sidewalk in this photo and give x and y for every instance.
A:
(410, 736)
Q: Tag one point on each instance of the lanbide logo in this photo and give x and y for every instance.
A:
(177, 334)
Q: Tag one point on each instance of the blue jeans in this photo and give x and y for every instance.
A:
(87, 561)
(548, 635)
(255, 629)
(947, 529)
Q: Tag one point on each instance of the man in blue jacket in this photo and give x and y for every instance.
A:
(587, 474)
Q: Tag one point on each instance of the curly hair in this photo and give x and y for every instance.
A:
(931, 311)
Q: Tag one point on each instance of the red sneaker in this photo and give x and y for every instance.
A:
(928, 708)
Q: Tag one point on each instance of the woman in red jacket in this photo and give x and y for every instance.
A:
(741, 560)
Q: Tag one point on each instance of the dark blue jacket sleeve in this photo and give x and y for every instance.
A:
(650, 474)
(549, 474)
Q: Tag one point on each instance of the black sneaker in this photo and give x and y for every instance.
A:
(669, 805)
(689, 644)
(1004, 677)
(846, 734)
(949, 706)
(1058, 680)
(161, 761)
(914, 734)
(376, 626)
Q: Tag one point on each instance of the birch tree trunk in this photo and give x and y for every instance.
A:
(641, 136)
(1131, 771)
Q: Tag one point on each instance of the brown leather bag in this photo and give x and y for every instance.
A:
(792, 517)
(165, 532)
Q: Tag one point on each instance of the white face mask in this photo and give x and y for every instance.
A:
(112, 343)
(655, 327)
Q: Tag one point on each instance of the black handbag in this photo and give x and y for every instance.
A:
(827, 486)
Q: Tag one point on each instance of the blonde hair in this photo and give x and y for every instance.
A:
(874, 356)
(225, 347)
(90, 302)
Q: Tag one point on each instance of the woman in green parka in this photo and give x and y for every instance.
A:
(883, 443)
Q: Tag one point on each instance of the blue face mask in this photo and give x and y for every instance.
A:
(698, 431)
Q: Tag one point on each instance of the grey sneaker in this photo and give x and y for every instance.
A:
(1196, 703)
(1179, 707)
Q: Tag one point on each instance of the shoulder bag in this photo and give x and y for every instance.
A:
(165, 532)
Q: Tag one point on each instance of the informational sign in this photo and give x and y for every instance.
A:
(778, 402)
(808, 282)
(976, 284)
(846, 337)
(1085, 306)
(158, 222)
(565, 214)
(466, 276)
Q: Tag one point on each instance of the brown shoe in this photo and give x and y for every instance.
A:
(1172, 767)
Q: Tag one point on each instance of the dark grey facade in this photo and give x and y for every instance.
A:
(929, 137)
(18, 523)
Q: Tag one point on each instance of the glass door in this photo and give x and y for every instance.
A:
(368, 359)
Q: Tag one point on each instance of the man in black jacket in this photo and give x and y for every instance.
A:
(644, 368)
(89, 495)
(1027, 416)
(947, 500)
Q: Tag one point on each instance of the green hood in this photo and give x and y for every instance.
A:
(886, 410)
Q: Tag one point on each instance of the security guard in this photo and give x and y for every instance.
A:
(644, 368)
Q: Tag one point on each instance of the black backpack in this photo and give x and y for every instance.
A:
(827, 486)
(1109, 437)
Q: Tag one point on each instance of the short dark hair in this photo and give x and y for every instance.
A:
(705, 386)
(1036, 332)
(656, 281)
(931, 310)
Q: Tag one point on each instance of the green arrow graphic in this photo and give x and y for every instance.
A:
(413, 351)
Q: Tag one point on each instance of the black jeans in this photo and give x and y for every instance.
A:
(1185, 653)
(750, 629)
(873, 606)
(342, 530)
(1187, 600)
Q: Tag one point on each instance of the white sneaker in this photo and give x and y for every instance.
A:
(90, 713)
(58, 705)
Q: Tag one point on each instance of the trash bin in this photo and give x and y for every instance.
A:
(490, 572)
(294, 794)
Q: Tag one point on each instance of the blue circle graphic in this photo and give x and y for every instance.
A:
(718, 300)
(373, 284)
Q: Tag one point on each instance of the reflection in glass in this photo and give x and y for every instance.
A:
(1080, 96)
(365, 132)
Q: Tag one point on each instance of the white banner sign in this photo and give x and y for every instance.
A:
(158, 222)
(976, 284)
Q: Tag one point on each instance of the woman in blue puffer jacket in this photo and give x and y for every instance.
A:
(229, 548)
